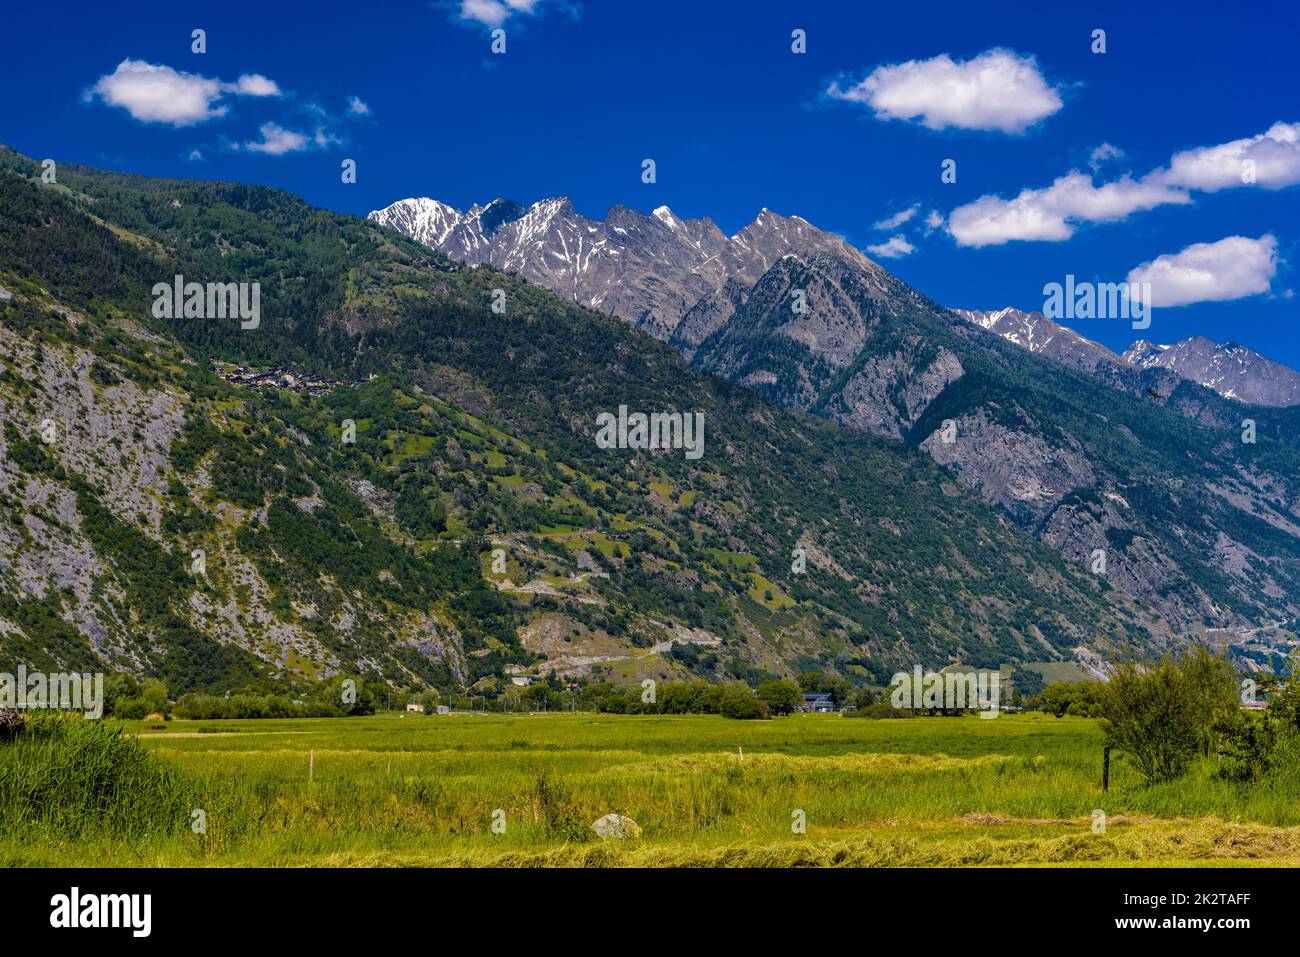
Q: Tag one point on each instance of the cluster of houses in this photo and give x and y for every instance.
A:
(308, 383)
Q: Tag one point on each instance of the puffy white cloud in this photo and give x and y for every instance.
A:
(254, 84)
(1051, 213)
(997, 90)
(358, 107)
(154, 93)
(1210, 272)
(159, 94)
(1271, 160)
(493, 13)
(895, 247)
(898, 219)
(276, 141)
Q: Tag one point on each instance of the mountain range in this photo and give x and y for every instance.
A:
(1231, 370)
(1086, 450)
(394, 473)
(647, 269)
(680, 280)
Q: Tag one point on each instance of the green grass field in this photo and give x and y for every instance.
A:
(417, 790)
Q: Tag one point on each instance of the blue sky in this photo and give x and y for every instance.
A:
(847, 135)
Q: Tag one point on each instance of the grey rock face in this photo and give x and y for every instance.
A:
(708, 316)
(119, 436)
(1019, 467)
(1230, 370)
(875, 355)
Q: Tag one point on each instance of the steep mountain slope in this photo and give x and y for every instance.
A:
(1233, 371)
(1192, 520)
(474, 522)
(1080, 447)
(1152, 380)
(161, 522)
(1227, 369)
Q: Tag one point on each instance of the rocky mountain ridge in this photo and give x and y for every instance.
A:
(1055, 429)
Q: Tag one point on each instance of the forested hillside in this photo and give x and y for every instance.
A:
(443, 511)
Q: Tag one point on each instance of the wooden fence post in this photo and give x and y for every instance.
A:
(1105, 769)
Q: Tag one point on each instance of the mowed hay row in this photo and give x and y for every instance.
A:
(1198, 843)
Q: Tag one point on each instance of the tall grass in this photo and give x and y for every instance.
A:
(391, 790)
(65, 777)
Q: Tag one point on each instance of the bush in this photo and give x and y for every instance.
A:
(880, 709)
(781, 697)
(1080, 699)
(1247, 743)
(12, 723)
(739, 702)
(1165, 716)
(131, 709)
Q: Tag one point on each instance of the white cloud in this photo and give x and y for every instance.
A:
(324, 138)
(1102, 154)
(895, 247)
(933, 220)
(997, 90)
(493, 13)
(153, 93)
(1273, 158)
(1210, 272)
(159, 94)
(276, 141)
(358, 107)
(1051, 214)
(254, 84)
(893, 222)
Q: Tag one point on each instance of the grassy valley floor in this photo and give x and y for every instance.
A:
(414, 790)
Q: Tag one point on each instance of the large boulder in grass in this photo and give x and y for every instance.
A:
(12, 723)
(616, 826)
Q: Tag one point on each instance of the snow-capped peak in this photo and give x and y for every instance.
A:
(422, 218)
(667, 217)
